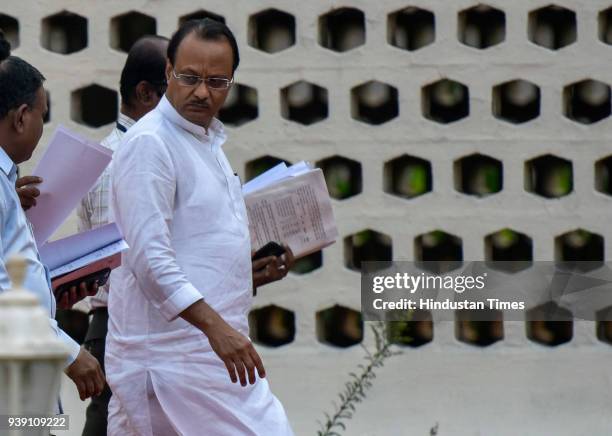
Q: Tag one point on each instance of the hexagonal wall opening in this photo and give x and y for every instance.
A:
(411, 28)
(199, 15)
(339, 326)
(342, 175)
(438, 252)
(479, 328)
(549, 176)
(478, 175)
(367, 246)
(445, 101)
(482, 26)
(549, 324)
(416, 331)
(552, 27)
(309, 263)
(272, 326)
(603, 320)
(407, 176)
(255, 167)
(603, 175)
(587, 102)
(516, 101)
(580, 250)
(304, 103)
(94, 106)
(342, 29)
(604, 19)
(508, 250)
(240, 107)
(271, 30)
(64, 32)
(47, 117)
(10, 28)
(374, 102)
(126, 29)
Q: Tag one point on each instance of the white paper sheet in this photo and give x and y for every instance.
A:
(296, 211)
(275, 175)
(109, 250)
(69, 168)
(298, 169)
(57, 253)
(263, 179)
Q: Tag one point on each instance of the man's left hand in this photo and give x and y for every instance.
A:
(26, 191)
(272, 268)
(76, 294)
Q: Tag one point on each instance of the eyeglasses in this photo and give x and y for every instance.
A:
(218, 83)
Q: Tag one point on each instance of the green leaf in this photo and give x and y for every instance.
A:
(355, 389)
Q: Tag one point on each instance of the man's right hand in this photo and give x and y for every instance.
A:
(74, 295)
(232, 347)
(86, 374)
(272, 268)
(26, 191)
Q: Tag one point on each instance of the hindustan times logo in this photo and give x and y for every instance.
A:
(389, 289)
(413, 283)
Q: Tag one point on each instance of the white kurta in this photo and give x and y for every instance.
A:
(180, 207)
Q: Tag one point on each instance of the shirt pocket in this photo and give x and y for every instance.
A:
(235, 188)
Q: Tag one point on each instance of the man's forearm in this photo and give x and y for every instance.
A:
(200, 315)
(233, 348)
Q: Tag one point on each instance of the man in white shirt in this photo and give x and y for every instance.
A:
(177, 341)
(142, 84)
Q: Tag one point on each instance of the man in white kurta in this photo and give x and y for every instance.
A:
(180, 207)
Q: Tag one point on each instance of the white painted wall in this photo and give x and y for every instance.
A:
(514, 387)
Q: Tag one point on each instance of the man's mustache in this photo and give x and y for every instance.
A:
(202, 104)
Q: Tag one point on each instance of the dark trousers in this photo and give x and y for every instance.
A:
(95, 342)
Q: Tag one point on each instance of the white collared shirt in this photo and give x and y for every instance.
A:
(179, 206)
(94, 209)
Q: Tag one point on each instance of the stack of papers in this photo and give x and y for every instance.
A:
(276, 174)
(69, 168)
(84, 252)
(290, 205)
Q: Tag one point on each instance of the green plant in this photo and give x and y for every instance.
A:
(354, 390)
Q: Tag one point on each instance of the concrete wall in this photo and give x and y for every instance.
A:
(515, 386)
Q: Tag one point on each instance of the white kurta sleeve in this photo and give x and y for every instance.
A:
(143, 192)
